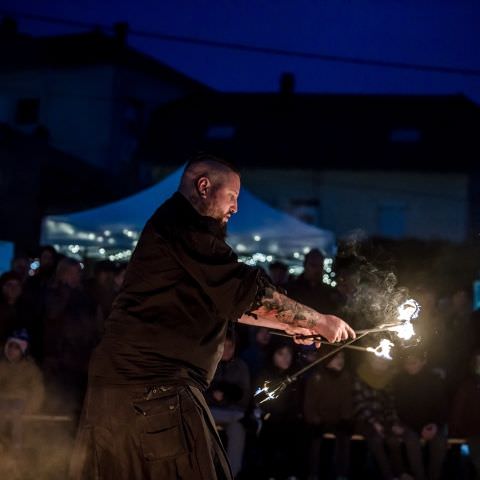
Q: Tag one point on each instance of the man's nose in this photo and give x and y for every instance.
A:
(234, 207)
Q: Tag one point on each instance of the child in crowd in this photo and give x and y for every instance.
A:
(421, 403)
(21, 387)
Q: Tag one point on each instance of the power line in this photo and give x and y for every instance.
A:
(242, 47)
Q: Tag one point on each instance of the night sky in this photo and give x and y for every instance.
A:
(442, 33)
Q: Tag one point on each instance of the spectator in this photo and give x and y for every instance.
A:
(71, 329)
(421, 402)
(459, 326)
(309, 288)
(281, 429)
(228, 398)
(374, 409)
(10, 306)
(278, 272)
(119, 276)
(101, 288)
(327, 407)
(21, 266)
(48, 258)
(465, 413)
(255, 355)
(21, 385)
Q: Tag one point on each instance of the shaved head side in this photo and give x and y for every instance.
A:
(204, 165)
(212, 186)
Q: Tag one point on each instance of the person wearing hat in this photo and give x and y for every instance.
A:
(21, 381)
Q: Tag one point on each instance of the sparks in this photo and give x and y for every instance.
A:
(383, 349)
(269, 394)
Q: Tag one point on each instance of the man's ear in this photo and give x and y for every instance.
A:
(203, 186)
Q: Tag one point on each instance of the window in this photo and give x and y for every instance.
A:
(27, 111)
(392, 220)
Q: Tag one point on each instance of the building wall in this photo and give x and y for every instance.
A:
(75, 106)
(139, 96)
(88, 111)
(390, 204)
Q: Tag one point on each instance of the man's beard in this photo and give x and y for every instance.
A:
(222, 229)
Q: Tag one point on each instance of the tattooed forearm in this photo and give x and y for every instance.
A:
(286, 310)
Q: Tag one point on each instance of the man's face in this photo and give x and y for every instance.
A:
(223, 198)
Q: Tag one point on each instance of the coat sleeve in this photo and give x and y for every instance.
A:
(232, 286)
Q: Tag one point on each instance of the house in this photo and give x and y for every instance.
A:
(393, 166)
(36, 179)
(90, 94)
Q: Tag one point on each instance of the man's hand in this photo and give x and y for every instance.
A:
(281, 312)
(332, 328)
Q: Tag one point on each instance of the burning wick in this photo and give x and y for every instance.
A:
(383, 349)
(270, 395)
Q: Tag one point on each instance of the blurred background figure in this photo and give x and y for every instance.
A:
(309, 288)
(102, 288)
(281, 433)
(465, 413)
(21, 387)
(278, 272)
(21, 266)
(11, 288)
(72, 325)
(228, 398)
(255, 355)
(421, 402)
(327, 408)
(375, 412)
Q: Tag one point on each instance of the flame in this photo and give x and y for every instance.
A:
(383, 349)
(269, 395)
(407, 312)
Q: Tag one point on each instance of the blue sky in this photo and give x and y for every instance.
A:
(442, 33)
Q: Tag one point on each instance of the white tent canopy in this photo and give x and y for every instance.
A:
(111, 230)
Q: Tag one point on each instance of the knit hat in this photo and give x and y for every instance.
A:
(21, 338)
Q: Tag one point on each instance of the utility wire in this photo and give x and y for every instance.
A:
(243, 47)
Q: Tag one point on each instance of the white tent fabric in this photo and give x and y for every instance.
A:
(256, 228)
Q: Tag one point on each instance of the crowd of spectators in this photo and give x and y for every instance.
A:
(405, 410)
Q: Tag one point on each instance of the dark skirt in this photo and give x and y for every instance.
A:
(147, 433)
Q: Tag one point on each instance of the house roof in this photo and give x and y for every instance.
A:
(19, 51)
(286, 130)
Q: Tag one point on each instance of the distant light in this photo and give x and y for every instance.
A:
(82, 266)
(306, 250)
(35, 265)
(241, 247)
(269, 258)
(107, 233)
(91, 236)
(99, 239)
(333, 283)
(111, 241)
(257, 238)
(101, 251)
(291, 270)
(296, 255)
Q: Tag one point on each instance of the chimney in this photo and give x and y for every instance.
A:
(120, 30)
(287, 83)
(8, 27)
